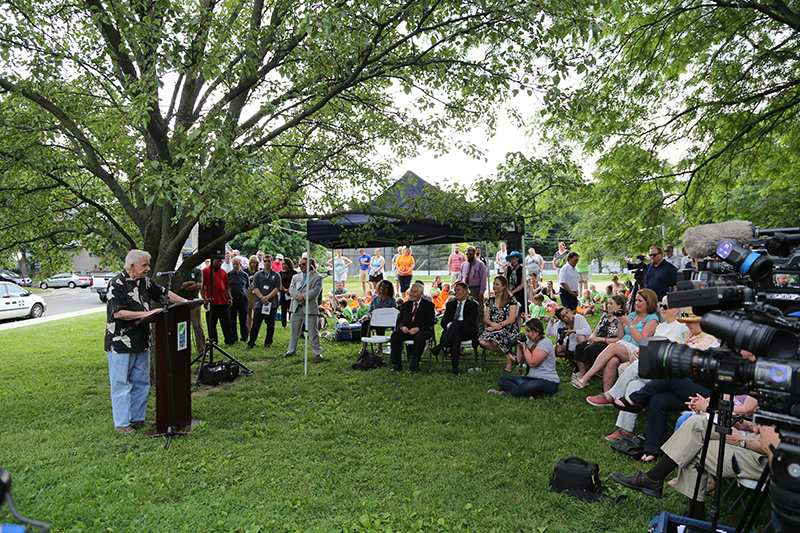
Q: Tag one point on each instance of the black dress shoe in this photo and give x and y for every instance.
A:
(436, 349)
(639, 482)
(249, 347)
(413, 370)
(456, 372)
(396, 368)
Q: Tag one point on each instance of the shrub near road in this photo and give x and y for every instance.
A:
(337, 450)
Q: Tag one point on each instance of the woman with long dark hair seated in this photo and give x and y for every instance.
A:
(538, 353)
(500, 318)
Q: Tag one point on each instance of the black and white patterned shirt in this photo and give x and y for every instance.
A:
(124, 336)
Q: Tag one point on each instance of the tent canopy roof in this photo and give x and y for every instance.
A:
(407, 191)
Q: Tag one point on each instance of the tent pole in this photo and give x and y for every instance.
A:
(308, 272)
(524, 282)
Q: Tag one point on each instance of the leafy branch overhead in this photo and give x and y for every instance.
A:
(144, 116)
(688, 107)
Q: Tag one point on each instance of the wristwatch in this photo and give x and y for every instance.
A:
(743, 443)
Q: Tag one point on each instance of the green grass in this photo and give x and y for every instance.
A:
(337, 450)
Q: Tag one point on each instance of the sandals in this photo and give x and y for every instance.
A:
(579, 384)
(624, 404)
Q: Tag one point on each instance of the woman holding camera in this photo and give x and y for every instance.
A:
(569, 330)
(638, 325)
(606, 333)
(500, 318)
(538, 353)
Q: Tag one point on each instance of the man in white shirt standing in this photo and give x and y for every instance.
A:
(568, 280)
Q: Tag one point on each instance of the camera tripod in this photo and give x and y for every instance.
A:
(723, 410)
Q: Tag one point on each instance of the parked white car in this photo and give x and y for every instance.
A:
(16, 302)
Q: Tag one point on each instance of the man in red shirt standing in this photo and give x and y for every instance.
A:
(221, 302)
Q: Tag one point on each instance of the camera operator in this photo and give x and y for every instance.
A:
(659, 276)
(569, 330)
(538, 353)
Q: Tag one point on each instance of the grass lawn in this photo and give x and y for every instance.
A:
(337, 450)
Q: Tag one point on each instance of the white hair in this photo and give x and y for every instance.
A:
(135, 257)
(237, 259)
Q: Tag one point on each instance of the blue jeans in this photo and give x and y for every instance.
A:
(129, 374)
(524, 386)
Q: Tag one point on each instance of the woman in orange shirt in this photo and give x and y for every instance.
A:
(405, 270)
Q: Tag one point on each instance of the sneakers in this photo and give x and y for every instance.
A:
(600, 400)
(640, 482)
(127, 430)
(493, 391)
(618, 434)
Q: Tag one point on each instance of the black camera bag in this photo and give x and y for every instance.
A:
(579, 478)
(218, 372)
(574, 473)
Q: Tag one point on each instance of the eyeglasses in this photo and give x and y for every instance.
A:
(653, 255)
(664, 306)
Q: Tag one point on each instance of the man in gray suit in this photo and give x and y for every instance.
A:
(297, 293)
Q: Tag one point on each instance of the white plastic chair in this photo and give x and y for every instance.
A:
(381, 318)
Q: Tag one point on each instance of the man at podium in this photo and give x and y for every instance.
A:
(127, 343)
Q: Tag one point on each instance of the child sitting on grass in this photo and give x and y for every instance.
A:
(596, 296)
(587, 303)
(344, 311)
(362, 310)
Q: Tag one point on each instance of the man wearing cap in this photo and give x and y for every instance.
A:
(192, 283)
(277, 265)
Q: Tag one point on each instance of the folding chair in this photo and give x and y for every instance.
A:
(381, 318)
(446, 357)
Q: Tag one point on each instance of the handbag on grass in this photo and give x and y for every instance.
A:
(632, 446)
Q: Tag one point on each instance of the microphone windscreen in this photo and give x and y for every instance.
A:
(701, 241)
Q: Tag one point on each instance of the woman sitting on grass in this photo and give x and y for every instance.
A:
(638, 325)
(500, 318)
(540, 356)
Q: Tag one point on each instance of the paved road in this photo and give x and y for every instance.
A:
(61, 303)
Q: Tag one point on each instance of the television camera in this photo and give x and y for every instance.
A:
(749, 298)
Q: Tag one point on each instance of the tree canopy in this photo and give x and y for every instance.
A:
(690, 108)
(123, 124)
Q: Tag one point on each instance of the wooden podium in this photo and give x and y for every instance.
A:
(173, 349)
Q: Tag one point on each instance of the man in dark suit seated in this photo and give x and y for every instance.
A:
(416, 320)
(459, 323)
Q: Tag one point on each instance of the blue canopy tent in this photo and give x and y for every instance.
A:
(409, 191)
